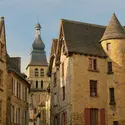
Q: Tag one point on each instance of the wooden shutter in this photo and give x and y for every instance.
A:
(87, 116)
(102, 116)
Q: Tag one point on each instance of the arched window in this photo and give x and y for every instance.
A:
(36, 72)
(36, 84)
(42, 72)
(41, 84)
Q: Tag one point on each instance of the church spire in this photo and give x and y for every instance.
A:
(38, 54)
(38, 43)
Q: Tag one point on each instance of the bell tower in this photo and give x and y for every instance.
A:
(36, 75)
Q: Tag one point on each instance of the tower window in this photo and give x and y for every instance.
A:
(108, 46)
(36, 72)
(36, 84)
(42, 72)
(93, 88)
(41, 84)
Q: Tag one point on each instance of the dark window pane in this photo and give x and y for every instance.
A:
(94, 64)
(115, 122)
(109, 66)
(112, 97)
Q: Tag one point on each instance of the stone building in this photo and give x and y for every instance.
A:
(17, 93)
(87, 68)
(3, 73)
(13, 97)
(36, 72)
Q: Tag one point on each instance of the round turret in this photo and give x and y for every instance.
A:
(113, 41)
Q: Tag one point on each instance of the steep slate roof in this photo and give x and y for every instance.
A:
(11, 66)
(53, 46)
(83, 38)
(52, 55)
(38, 54)
(114, 29)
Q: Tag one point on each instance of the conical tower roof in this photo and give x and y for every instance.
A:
(114, 30)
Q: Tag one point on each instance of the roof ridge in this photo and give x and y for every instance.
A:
(78, 22)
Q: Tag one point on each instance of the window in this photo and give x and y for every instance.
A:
(17, 89)
(19, 116)
(62, 69)
(115, 122)
(54, 78)
(25, 94)
(36, 84)
(25, 118)
(93, 116)
(108, 46)
(92, 64)
(109, 67)
(1, 79)
(64, 118)
(41, 84)
(93, 88)
(112, 97)
(55, 98)
(36, 72)
(13, 84)
(42, 72)
(0, 111)
(56, 120)
(63, 89)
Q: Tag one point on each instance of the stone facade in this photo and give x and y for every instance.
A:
(17, 99)
(74, 100)
(3, 73)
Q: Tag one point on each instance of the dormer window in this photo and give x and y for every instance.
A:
(42, 72)
(36, 72)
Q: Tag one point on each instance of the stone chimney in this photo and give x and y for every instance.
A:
(17, 62)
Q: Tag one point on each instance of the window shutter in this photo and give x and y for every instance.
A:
(87, 116)
(102, 116)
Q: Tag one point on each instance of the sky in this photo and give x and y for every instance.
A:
(21, 17)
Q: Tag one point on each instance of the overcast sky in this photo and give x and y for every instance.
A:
(21, 17)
